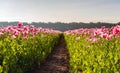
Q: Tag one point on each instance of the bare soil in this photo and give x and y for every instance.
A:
(57, 61)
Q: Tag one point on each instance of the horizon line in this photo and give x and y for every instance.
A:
(61, 22)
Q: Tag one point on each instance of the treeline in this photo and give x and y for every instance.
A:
(63, 26)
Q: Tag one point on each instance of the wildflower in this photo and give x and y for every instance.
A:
(19, 24)
(1, 34)
(16, 33)
(88, 46)
(24, 38)
(95, 40)
(13, 36)
(109, 37)
(116, 30)
(104, 35)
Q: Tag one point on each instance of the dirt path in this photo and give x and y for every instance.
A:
(57, 61)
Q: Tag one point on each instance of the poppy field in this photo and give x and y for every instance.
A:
(22, 48)
(95, 50)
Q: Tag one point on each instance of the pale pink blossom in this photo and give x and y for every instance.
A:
(13, 36)
(109, 37)
(104, 35)
(1, 34)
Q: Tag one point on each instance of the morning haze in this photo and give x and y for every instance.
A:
(60, 10)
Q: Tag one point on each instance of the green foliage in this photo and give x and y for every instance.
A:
(101, 57)
(22, 56)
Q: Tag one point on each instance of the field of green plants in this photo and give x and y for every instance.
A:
(95, 50)
(23, 48)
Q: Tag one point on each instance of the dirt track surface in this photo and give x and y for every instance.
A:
(57, 61)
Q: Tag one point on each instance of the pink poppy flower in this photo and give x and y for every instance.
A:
(19, 24)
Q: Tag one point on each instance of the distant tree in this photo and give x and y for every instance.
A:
(118, 23)
(98, 22)
(91, 23)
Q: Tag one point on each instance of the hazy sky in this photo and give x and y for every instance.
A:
(60, 10)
